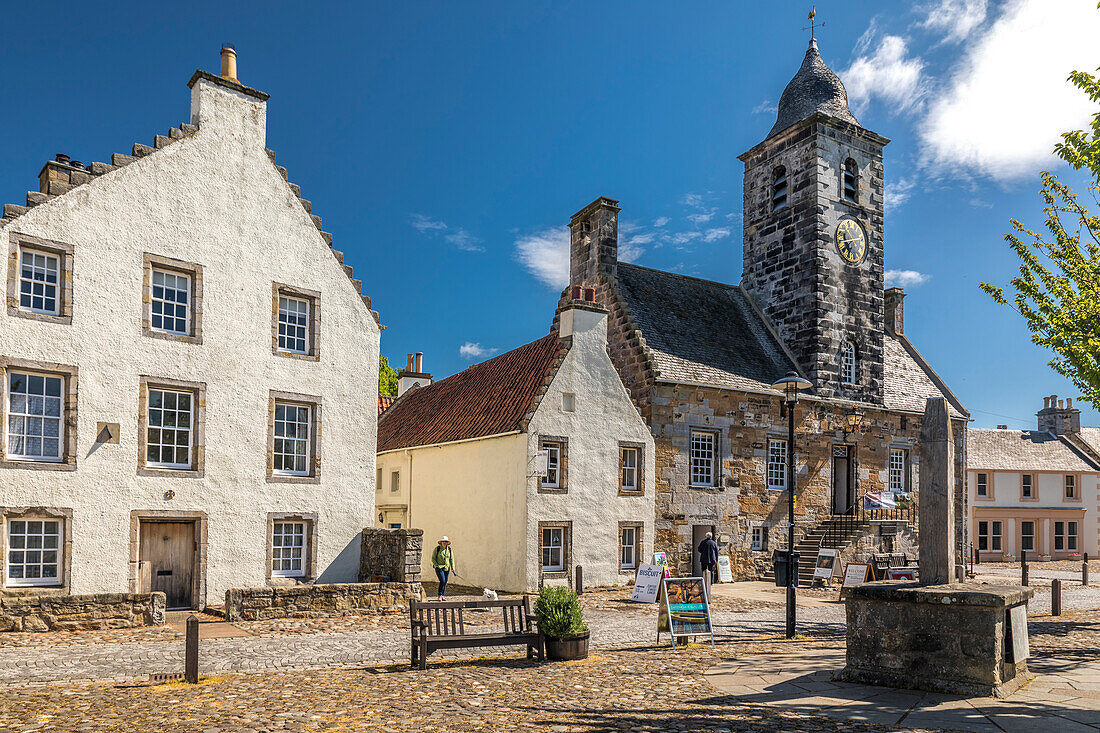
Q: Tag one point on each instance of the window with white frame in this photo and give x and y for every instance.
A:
(1027, 486)
(777, 464)
(702, 458)
(292, 439)
(288, 548)
(1027, 536)
(170, 428)
(170, 310)
(1065, 536)
(34, 551)
(1071, 486)
(848, 363)
(989, 536)
(293, 325)
(981, 487)
(629, 469)
(759, 538)
(553, 549)
(628, 544)
(39, 282)
(36, 408)
(552, 479)
(899, 470)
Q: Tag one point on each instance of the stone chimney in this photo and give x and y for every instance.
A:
(223, 106)
(1059, 417)
(413, 375)
(893, 301)
(594, 242)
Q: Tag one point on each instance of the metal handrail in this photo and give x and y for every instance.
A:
(841, 526)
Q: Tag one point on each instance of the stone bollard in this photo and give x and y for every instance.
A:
(578, 585)
(1023, 567)
(1055, 597)
(191, 653)
(1085, 570)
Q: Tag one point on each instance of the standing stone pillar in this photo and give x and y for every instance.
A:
(936, 505)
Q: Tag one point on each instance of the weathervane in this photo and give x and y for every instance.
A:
(812, 25)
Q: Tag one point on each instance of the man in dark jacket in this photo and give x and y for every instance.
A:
(708, 556)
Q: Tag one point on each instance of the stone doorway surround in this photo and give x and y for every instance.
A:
(1061, 698)
(137, 516)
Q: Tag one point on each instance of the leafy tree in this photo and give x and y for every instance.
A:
(1057, 290)
(387, 378)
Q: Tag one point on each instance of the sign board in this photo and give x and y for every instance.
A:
(542, 463)
(660, 558)
(826, 566)
(1017, 623)
(856, 573)
(725, 570)
(687, 609)
(901, 573)
(646, 583)
(879, 500)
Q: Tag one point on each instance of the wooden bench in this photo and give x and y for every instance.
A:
(441, 625)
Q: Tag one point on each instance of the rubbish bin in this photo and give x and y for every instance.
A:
(785, 561)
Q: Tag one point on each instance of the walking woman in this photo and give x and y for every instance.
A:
(443, 560)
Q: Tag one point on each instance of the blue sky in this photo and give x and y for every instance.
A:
(446, 144)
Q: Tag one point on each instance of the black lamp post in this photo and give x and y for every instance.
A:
(790, 386)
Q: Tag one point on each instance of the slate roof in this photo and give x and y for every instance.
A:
(384, 403)
(815, 88)
(1022, 450)
(908, 380)
(487, 399)
(1091, 438)
(701, 331)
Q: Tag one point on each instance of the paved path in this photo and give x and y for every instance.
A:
(1064, 698)
(127, 661)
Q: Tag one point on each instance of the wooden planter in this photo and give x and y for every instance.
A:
(574, 646)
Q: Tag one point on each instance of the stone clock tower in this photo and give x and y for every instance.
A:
(813, 260)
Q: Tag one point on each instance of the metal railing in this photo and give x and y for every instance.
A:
(840, 527)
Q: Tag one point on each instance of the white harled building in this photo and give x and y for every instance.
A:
(189, 371)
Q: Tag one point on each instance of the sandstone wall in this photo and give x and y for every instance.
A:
(84, 612)
(313, 601)
(390, 555)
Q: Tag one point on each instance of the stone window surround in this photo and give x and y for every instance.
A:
(716, 477)
(989, 536)
(775, 437)
(1034, 487)
(68, 452)
(1065, 537)
(1076, 499)
(566, 553)
(395, 486)
(763, 527)
(313, 297)
(988, 486)
(193, 271)
(64, 253)
(65, 516)
(313, 402)
(309, 557)
(639, 546)
(563, 465)
(639, 489)
(152, 516)
(907, 478)
(198, 427)
(855, 172)
(842, 355)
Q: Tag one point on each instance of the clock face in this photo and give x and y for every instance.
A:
(851, 242)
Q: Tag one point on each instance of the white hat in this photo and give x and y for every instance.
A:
(445, 538)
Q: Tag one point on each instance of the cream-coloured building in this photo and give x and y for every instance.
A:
(189, 371)
(1035, 490)
(462, 458)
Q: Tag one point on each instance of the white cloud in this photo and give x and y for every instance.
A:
(545, 254)
(888, 73)
(459, 238)
(898, 192)
(465, 241)
(681, 238)
(713, 235)
(660, 221)
(765, 107)
(955, 19)
(473, 350)
(1001, 113)
(905, 278)
(693, 200)
(701, 217)
(423, 223)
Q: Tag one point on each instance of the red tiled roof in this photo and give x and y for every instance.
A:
(487, 399)
(384, 402)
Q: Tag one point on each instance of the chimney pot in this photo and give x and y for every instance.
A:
(576, 292)
(590, 295)
(1061, 404)
(409, 363)
(229, 62)
(1002, 427)
(77, 164)
(1069, 403)
(62, 158)
(1046, 403)
(420, 362)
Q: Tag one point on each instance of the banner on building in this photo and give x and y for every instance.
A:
(879, 500)
(686, 610)
(646, 583)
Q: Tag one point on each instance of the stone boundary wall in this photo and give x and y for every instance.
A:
(81, 613)
(390, 555)
(314, 601)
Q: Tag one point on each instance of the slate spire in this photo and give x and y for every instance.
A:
(815, 88)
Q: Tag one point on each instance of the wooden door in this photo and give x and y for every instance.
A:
(168, 560)
(842, 474)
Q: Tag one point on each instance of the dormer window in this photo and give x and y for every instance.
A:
(851, 181)
(848, 364)
(779, 188)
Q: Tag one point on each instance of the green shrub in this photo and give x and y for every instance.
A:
(559, 612)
